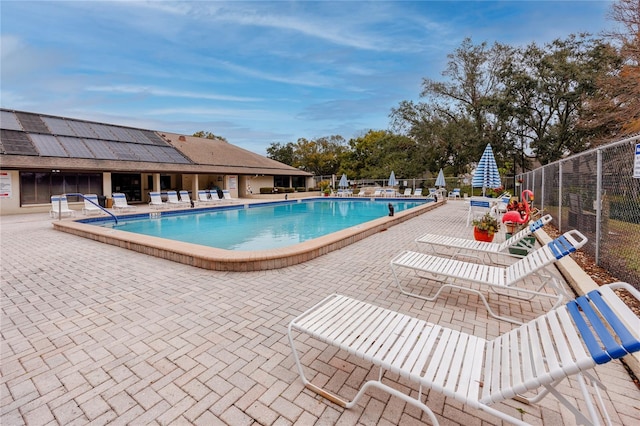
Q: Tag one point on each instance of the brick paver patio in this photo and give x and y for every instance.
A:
(95, 334)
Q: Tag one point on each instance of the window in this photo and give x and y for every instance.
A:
(38, 187)
(281, 181)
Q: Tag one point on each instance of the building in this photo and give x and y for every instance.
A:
(43, 155)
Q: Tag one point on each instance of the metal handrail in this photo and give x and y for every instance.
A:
(76, 194)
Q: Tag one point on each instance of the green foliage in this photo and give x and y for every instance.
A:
(487, 223)
(208, 135)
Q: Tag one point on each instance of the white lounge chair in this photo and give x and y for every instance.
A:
(407, 192)
(448, 272)
(172, 199)
(535, 357)
(203, 197)
(377, 193)
(120, 202)
(227, 196)
(156, 201)
(389, 192)
(185, 198)
(91, 205)
(417, 192)
(455, 193)
(60, 207)
(467, 247)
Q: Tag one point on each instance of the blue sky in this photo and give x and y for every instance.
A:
(253, 72)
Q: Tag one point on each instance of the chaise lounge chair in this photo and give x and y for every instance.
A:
(120, 202)
(185, 198)
(172, 199)
(203, 197)
(466, 247)
(91, 205)
(590, 330)
(156, 201)
(501, 280)
(417, 192)
(60, 207)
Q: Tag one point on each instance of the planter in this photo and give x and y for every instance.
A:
(512, 228)
(479, 235)
(521, 249)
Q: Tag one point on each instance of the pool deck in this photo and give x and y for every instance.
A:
(96, 334)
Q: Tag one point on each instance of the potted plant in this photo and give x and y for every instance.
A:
(485, 228)
(327, 191)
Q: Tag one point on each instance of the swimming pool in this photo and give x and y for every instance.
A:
(261, 227)
(237, 260)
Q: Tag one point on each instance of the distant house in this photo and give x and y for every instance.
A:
(43, 155)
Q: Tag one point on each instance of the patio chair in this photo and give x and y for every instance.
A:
(227, 196)
(185, 198)
(455, 193)
(91, 205)
(156, 201)
(536, 357)
(172, 199)
(417, 192)
(120, 202)
(60, 207)
(378, 193)
(480, 206)
(448, 272)
(203, 197)
(478, 249)
(407, 192)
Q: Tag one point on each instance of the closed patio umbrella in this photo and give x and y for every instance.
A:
(486, 174)
(440, 180)
(343, 181)
(392, 179)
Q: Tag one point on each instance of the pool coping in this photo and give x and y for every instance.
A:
(239, 261)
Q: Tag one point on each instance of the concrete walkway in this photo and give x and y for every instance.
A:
(95, 334)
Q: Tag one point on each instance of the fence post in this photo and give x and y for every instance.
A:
(560, 196)
(598, 203)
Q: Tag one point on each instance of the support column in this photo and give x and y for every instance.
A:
(106, 184)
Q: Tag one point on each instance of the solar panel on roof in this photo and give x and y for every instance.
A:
(75, 147)
(123, 152)
(17, 143)
(8, 120)
(155, 139)
(100, 149)
(102, 131)
(48, 145)
(81, 129)
(174, 155)
(121, 134)
(32, 123)
(159, 153)
(143, 153)
(138, 136)
(58, 126)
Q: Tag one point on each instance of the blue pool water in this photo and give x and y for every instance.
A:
(260, 227)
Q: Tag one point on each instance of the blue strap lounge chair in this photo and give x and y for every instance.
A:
(447, 272)
(537, 356)
(441, 244)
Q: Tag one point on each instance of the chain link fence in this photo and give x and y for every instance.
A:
(596, 193)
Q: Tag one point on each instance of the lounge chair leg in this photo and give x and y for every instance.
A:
(371, 383)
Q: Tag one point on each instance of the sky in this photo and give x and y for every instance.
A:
(255, 73)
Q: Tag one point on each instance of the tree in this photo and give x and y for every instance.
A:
(284, 153)
(545, 89)
(615, 109)
(320, 156)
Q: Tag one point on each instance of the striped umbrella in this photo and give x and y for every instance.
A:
(486, 174)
